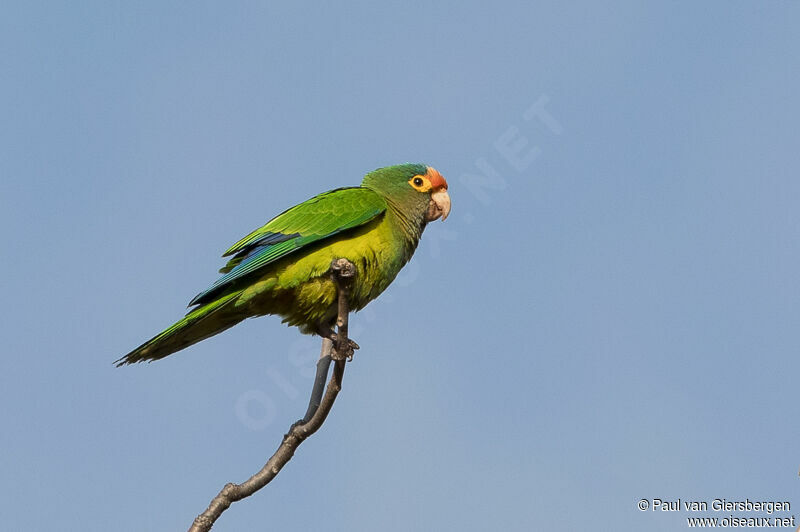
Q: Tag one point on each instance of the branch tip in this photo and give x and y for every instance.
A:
(342, 272)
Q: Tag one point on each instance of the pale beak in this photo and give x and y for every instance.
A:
(439, 206)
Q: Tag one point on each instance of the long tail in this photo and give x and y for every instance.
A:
(199, 324)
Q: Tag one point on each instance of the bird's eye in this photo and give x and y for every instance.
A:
(418, 181)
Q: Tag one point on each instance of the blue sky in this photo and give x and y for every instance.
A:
(610, 313)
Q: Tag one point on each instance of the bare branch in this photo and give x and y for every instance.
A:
(342, 272)
(323, 365)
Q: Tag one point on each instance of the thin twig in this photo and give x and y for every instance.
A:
(342, 272)
(323, 366)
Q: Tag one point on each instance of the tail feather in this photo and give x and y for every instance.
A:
(199, 324)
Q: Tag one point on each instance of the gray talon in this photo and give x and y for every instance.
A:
(343, 268)
(344, 352)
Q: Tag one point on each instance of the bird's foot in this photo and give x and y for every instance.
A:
(342, 352)
(339, 352)
(343, 268)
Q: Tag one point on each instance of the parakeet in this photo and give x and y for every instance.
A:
(282, 268)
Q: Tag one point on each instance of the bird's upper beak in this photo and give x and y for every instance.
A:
(439, 206)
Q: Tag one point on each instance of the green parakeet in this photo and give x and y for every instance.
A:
(283, 267)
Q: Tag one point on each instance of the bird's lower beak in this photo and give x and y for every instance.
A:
(439, 206)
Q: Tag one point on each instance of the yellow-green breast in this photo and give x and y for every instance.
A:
(299, 288)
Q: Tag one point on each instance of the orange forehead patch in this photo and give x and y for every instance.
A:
(435, 178)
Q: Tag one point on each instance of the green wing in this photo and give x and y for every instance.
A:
(320, 217)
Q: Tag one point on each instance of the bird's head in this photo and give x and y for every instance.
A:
(416, 188)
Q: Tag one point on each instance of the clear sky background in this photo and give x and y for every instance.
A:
(610, 314)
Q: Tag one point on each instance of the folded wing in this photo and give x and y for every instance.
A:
(316, 219)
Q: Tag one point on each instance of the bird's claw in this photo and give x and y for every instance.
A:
(343, 268)
(343, 352)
